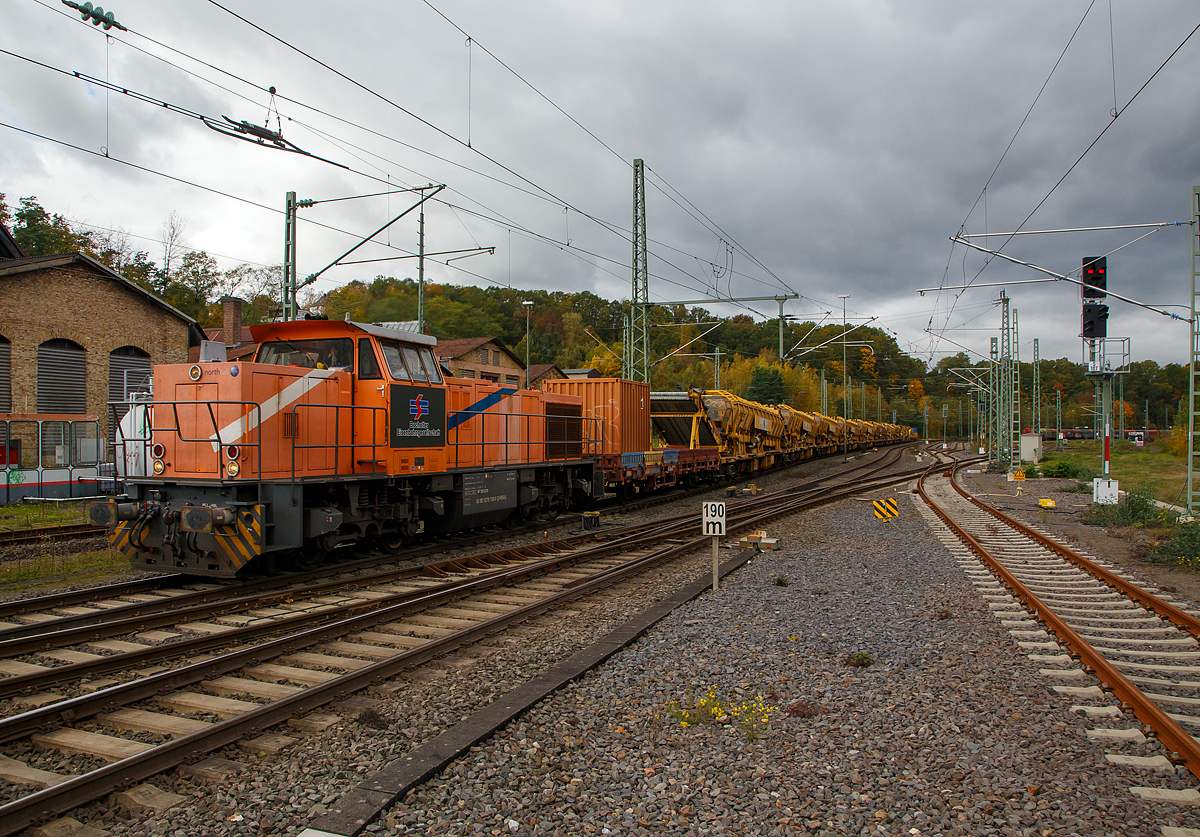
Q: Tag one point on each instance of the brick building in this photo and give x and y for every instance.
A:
(539, 372)
(75, 334)
(481, 357)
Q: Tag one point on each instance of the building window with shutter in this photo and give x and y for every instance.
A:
(61, 377)
(5, 375)
(483, 355)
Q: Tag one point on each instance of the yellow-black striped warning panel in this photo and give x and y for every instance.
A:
(886, 509)
(241, 540)
(119, 536)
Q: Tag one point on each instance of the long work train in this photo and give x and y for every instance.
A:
(340, 432)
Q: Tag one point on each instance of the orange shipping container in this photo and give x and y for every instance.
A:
(622, 406)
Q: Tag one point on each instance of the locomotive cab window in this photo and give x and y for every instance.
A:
(337, 353)
(394, 360)
(368, 366)
(432, 371)
(410, 363)
(415, 367)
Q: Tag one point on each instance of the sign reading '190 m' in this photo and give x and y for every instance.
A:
(713, 522)
(418, 417)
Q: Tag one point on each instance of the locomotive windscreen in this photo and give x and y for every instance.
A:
(313, 354)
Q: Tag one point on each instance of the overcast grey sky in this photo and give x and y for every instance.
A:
(821, 148)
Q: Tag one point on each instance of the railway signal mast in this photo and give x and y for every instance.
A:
(1094, 330)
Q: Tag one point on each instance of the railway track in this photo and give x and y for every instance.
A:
(227, 669)
(50, 534)
(144, 599)
(1080, 619)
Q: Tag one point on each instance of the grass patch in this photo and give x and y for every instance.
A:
(1136, 508)
(1162, 473)
(859, 659)
(1180, 549)
(77, 566)
(28, 515)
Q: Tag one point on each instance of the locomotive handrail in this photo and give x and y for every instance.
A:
(589, 444)
(337, 435)
(215, 438)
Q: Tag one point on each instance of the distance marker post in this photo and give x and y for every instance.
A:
(713, 523)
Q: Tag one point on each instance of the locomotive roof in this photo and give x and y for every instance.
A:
(317, 329)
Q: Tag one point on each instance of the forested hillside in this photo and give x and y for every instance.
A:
(581, 329)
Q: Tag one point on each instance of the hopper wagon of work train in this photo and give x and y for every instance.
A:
(344, 432)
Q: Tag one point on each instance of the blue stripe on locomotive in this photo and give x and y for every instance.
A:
(480, 406)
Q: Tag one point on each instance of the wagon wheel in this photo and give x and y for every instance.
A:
(392, 541)
(309, 559)
(313, 554)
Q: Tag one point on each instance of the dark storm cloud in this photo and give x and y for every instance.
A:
(840, 143)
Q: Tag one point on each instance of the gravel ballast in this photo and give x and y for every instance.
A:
(951, 730)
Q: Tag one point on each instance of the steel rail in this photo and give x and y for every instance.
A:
(1180, 618)
(1182, 746)
(62, 531)
(89, 594)
(206, 604)
(566, 551)
(809, 500)
(577, 548)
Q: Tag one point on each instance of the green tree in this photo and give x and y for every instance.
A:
(766, 385)
(193, 285)
(42, 234)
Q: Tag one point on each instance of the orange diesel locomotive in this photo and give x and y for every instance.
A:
(336, 432)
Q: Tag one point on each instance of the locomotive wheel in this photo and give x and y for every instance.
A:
(310, 557)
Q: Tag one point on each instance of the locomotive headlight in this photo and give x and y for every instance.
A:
(232, 468)
(159, 466)
(194, 373)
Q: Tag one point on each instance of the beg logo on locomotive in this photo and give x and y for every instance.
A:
(423, 424)
(417, 407)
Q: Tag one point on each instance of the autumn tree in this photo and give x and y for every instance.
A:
(867, 362)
